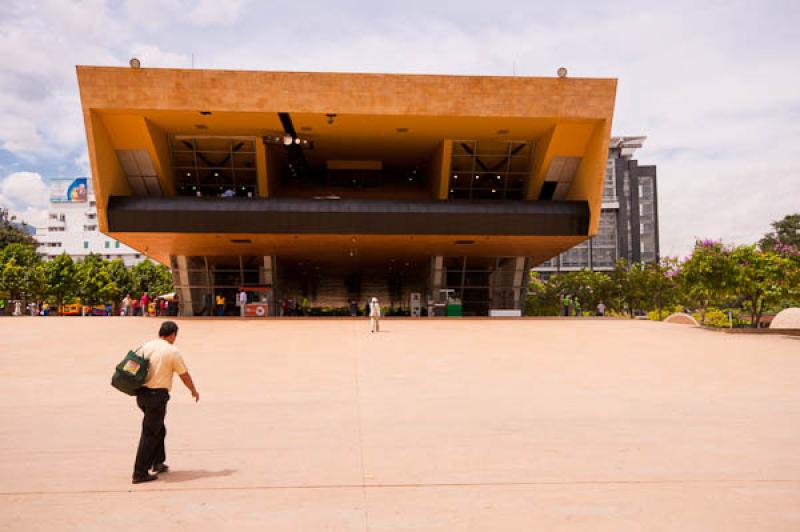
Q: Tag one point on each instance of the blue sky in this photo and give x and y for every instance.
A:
(714, 85)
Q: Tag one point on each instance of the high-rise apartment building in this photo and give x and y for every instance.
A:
(72, 225)
(628, 219)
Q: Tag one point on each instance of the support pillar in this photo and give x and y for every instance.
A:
(180, 278)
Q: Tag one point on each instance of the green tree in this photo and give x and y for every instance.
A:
(62, 278)
(786, 234)
(662, 288)
(12, 234)
(155, 279)
(708, 275)
(121, 282)
(543, 297)
(18, 271)
(761, 279)
(93, 280)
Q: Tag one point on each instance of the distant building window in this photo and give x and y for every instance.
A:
(85, 244)
(92, 215)
(137, 256)
(107, 244)
(116, 244)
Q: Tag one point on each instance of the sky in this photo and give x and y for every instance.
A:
(714, 85)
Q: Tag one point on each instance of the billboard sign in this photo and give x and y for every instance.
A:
(69, 189)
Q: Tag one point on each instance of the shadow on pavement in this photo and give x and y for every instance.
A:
(194, 474)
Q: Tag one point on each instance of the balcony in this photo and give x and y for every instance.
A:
(374, 217)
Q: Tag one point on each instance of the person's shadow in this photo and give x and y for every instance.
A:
(194, 474)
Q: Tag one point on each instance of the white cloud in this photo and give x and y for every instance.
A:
(713, 85)
(25, 195)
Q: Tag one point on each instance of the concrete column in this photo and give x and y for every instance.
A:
(521, 267)
(181, 281)
(266, 276)
(437, 265)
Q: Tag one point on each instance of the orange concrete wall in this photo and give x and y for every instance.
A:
(439, 170)
(586, 185)
(243, 91)
(107, 176)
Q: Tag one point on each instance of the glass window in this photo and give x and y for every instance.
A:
(85, 244)
(116, 244)
(107, 244)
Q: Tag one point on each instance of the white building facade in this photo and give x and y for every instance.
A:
(72, 225)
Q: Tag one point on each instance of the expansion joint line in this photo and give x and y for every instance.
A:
(357, 370)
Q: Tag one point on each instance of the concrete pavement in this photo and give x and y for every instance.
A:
(432, 425)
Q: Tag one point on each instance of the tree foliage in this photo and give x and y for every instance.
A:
(11, 234)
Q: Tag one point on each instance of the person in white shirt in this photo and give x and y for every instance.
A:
(374, 315)
(164, 360)
(241, 302)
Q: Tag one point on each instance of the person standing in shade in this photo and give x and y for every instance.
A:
(577, 303)
(601, 309)
(220, 305)
(374, 315)
(565, 301)
(126, 305)
(165, 359)
(570, 306)
(241, 302)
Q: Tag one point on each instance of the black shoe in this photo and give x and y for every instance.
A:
(146, 478)
(160, 468)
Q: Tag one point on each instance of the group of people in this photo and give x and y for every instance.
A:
(132, 306)
(220, 303)
(571, 306)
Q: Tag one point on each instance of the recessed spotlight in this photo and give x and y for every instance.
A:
(205, 113)
(477, 177)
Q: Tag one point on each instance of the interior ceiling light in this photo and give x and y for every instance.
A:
(287, 140)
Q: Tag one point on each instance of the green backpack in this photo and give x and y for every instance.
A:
(131, 373)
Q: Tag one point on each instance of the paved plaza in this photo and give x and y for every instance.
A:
(480, 425)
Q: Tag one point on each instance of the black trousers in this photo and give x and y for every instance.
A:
(153, 402)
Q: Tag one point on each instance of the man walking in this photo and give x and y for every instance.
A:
(165, 359)
(374, 315)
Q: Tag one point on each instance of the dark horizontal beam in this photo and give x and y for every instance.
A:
(304, 216)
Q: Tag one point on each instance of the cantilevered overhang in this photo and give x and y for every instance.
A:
(130, 115)
(348, 217)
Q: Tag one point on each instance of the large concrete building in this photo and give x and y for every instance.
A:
(628, 220)
(339, 187)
